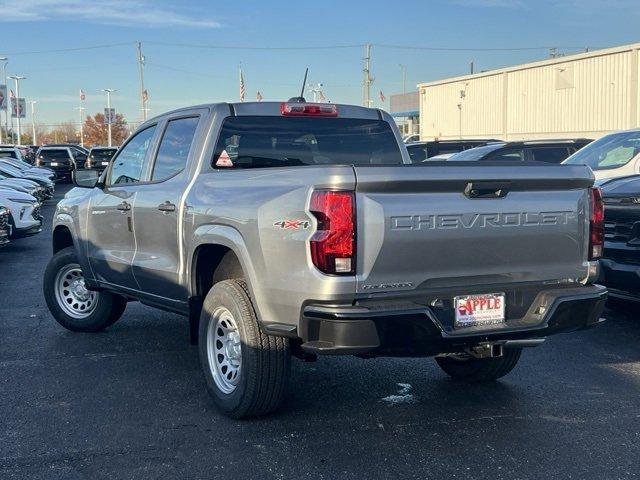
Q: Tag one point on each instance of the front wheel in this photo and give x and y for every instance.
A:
(246, 371)
(471, 369)
(70, 302)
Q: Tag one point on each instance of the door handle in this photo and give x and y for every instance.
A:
(167, 207)
(487, 189)
(124, 207)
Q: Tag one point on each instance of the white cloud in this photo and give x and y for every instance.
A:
(128, 13)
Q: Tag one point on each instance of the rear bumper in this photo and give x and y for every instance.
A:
(420, 330)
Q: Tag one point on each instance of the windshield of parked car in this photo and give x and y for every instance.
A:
(610, 151)
(476, 153)
(259, 142)
(8, 154)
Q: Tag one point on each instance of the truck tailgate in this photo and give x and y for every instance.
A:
(465, 226)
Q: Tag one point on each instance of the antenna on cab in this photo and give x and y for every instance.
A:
(301, 99)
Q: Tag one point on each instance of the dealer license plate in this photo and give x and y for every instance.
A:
(54, 164)
(474, 310)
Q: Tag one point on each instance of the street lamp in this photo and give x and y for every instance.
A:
(6, 114)
(404, 77)
(108, 91)
(17, 79)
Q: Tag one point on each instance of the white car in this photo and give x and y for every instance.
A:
(612, 156)
(25, 217)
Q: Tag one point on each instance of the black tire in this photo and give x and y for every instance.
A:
(108, 309)
(264, 373)
(480, 369)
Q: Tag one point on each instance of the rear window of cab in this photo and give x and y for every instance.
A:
(267, 141)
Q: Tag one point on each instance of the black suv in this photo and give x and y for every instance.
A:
(58, 159)
(99, 157)
(547, 151)
(421, 151)
(621, 259)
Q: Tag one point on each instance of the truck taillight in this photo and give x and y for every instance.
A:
(333, 244)
(309, 109)
(596, 224)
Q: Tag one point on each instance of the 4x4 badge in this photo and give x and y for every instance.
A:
(291, 224)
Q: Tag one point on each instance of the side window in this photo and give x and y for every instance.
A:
(507, 155)
(550, 154)
(129, 165)
(174, 147)
(417, 153)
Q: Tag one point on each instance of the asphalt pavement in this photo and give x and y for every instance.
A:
(131, 402)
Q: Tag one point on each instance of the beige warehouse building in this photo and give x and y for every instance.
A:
(584, 95)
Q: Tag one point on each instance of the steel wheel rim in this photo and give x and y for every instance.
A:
(224, 350)
(72, 294)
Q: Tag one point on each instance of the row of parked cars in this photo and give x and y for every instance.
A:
(27, 179)
(615, 162)
(23, 189)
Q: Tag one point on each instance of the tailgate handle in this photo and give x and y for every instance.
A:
(487, 189)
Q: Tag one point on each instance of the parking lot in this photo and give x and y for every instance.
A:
(131, 403)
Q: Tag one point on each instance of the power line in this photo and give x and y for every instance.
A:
(249, 47)
(73, 49)
(474, 49)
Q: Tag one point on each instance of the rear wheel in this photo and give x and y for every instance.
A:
(470, 369)
(74, 306)
(246, 371)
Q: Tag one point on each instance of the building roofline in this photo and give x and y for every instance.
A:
(541, 63)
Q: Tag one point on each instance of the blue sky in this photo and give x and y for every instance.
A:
(178, 76)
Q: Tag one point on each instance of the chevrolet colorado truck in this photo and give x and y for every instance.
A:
(302, 229)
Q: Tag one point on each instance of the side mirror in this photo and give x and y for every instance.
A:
(85, 178)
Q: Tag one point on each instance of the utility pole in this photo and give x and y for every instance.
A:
(6, 99)
(404, 77)
(108, 91)
(80, 110)
(17, 79)
(368, 79)
(33, 122)
(143, 96)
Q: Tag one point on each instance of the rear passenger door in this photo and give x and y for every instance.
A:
(156, 212)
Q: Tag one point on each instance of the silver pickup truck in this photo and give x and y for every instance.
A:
(301, 229)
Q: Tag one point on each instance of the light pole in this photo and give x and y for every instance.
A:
(80, 110)
(6, 101)
(33, 122)
(17, 79)
(108, 91)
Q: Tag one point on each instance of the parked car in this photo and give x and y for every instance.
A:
(421, 151)
(30, 156)
(99, 157)
(314, 238)
(547, 151)
(14, 157)
(58, 159)
(621, 258)
(612, 156)
(411, 137)
(4, 226)
(23, 185)
(25, 215)
(8, 170)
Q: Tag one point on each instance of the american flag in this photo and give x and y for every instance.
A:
(11, 94)
(382, 97)
(145, 96)
(259, 96)
(242, 89)
(82, 95)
